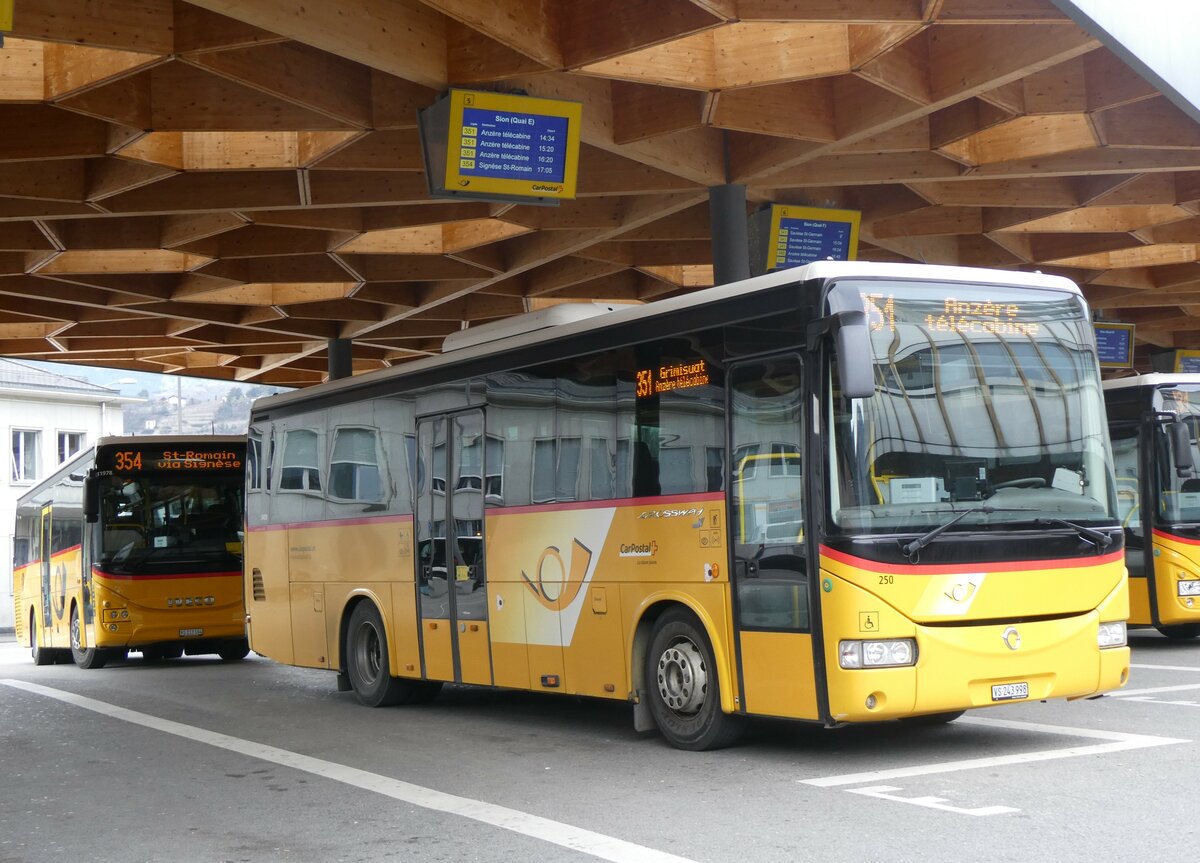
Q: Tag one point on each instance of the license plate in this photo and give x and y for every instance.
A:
(1010, 691)
(188, 633)
(1191, 587)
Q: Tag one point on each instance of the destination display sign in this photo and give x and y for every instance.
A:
(980, 317)
(675, 376)
(500, 146)
(1114, 345)
(170, 457)
(801, 235)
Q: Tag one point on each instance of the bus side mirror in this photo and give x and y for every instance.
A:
(852, 341)
(91, 499)
(1181, 448)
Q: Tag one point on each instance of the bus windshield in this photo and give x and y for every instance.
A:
(153, 524)
(982, 393)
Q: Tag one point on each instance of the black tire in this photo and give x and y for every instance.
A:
(85, 657)
(152, 655)
(41, 655)
(1180, 631)
(934, 718)
(234, 651)
(683, 686)
(367, 659)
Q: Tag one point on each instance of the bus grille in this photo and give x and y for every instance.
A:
(260, 591)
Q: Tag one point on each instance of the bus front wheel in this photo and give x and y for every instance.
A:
(1180, 630)
(235, 650)
(683, 687)
(41, 655)
(85, 657)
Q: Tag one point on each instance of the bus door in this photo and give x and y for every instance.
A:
(771, 595)
(48, 622)
(451, 576)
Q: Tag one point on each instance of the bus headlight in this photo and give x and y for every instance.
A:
(1112, 634)
(877, 654)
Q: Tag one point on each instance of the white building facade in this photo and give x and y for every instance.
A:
(46, 419)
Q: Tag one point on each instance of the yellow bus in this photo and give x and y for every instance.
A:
(846, 492)
(1153, 421)
(134, 544)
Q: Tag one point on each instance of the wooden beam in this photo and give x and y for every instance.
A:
(133, 25)
(304, 76)
(641, 111)
(530, 27)
(370, 35)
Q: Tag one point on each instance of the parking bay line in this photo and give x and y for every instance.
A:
(1168, 667)
(1154, 690)
(1116, 742)
(554, 832)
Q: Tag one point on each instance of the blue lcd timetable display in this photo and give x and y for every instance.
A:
(801, 235)
(511, 146)
(486, 146)
(1114, 345)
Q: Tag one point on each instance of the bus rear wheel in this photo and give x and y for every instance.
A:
(85, 657)
(1180, 631)
(683, 686)
(367, 659)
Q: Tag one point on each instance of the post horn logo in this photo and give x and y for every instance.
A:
(554, 584)
(1011, 638)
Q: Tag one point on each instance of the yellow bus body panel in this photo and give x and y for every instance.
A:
(151, 621)
(958, 665)
(26, 586)
(1175, 559)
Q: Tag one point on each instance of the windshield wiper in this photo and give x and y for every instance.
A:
(1101, 539)
(909, 549)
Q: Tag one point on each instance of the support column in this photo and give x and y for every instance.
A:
(730, 236)
(340, 365)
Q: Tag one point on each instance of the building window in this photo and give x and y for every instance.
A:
(69, 443)
(25, 444)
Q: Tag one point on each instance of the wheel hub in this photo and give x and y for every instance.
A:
(682, 677)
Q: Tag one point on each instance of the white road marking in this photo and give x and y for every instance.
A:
(1168, 667)
(1117, 742)
(1146, 699)
(1131, 693)
(554, 832)
(883, 792)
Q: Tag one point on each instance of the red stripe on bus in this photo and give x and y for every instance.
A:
(1174, 537)
(963, 568)
(96, 570)
(333, 522)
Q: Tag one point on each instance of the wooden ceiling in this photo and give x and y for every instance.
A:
(220, 187)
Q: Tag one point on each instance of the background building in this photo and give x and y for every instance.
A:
(48, 417)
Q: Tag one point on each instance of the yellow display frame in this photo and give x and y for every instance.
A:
(466, 184)
(779, 212)
(1181, 355)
